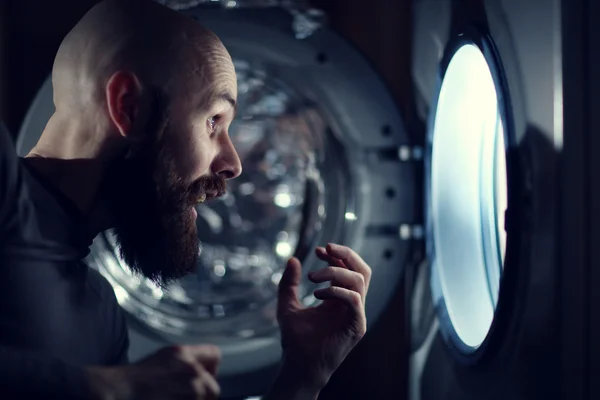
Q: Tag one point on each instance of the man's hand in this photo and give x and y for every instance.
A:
(316, 340)
(178, 372)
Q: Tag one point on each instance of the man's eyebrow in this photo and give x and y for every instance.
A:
(225, 96)
(228, 98)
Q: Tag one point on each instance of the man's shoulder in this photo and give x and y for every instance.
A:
(101, 285)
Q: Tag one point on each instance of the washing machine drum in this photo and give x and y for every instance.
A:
(486, 83)
(314, 120)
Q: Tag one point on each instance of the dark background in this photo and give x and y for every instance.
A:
(31, 31)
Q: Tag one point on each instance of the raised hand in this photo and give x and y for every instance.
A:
(316, 340)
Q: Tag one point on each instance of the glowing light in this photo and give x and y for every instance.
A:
(219, 270)
(283, 200)
(463, 176)
(283, 249)
(350, 216)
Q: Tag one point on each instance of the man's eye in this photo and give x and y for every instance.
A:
(212, 121)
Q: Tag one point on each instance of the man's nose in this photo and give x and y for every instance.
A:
(227, 164)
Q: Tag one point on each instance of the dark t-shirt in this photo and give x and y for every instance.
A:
(56, 314)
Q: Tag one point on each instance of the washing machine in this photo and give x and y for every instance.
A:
(500, 307)
(326, 159)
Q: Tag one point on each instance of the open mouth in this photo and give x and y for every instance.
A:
(204, 197)
(208, 196)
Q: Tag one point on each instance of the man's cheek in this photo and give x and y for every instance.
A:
(196, 161)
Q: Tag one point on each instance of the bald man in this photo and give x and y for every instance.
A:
(144, 97)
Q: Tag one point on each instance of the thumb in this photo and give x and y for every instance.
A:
(288, 286)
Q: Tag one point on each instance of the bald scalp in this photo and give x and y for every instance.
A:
(162, 47)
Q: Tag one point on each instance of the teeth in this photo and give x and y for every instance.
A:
(202, 198)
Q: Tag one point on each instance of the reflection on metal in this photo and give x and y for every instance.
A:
(187, 4)
(408, 153)
(306, 20)
(350, 216)
(276, 206)
(408, 232)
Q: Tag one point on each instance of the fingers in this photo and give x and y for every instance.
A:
(206, 386)
(351, 298)
(204, 361)
(203, 385)
(352, 261)
(288, 286)
(340, 277)
(176, 372)
(207, 355)
(321, 252)
(348, 296)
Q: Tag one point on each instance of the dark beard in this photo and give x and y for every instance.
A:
(154, 226)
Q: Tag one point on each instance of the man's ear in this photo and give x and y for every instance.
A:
(124, 101)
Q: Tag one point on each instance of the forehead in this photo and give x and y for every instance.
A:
(221, 78)
(210, 78)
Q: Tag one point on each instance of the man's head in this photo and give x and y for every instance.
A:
(153, 94)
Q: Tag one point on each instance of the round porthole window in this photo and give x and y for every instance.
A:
(467, 196)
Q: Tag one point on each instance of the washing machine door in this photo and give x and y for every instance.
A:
(326, 159)
(488, 77)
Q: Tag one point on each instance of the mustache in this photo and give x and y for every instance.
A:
(213, 184)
